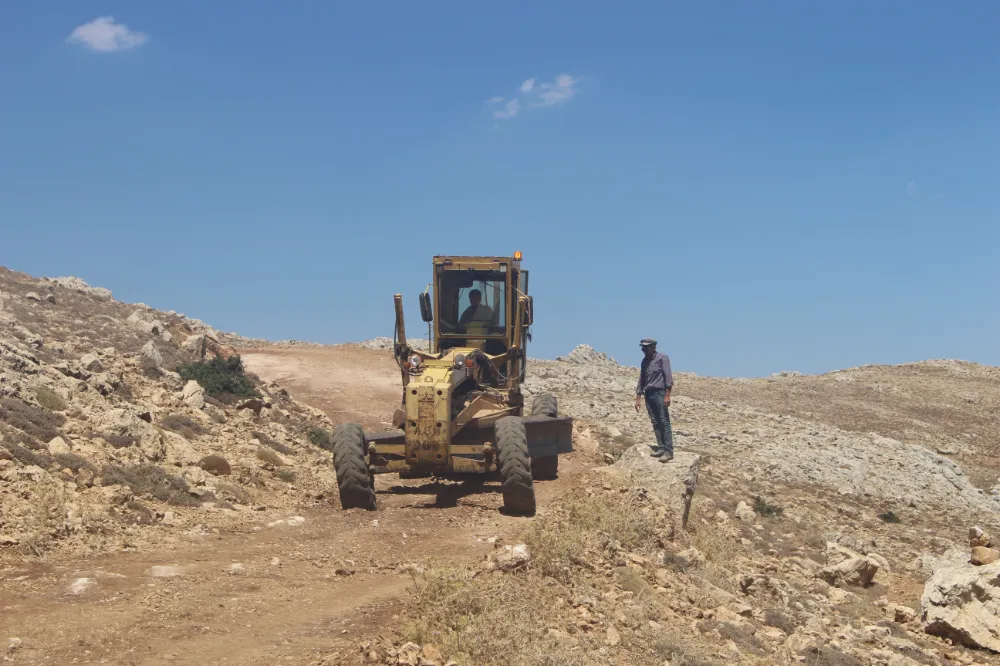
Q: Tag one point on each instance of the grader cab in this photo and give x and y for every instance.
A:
(462, 410)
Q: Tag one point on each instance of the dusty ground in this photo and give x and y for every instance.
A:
(301, 593)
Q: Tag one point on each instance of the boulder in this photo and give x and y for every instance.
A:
(215, 465)
(847, 567)
(745, 513)
(981, 555)
(149, 353)
(193, 395)
(962, 603)
(148, 440)
(76, 284)
(58, 445)
(33, 296)
(194, 344)
(144, 322)
(674, 482)
(91, 363)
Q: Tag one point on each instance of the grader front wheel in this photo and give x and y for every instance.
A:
(515, 466)
(356, 488)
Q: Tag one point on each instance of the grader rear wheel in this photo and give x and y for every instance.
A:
(515, 466)
(545, 468)
(356, 488)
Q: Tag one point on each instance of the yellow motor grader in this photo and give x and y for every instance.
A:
(462, 410)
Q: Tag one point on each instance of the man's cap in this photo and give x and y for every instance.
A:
(647, 342)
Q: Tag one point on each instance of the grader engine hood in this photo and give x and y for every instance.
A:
(428, 408)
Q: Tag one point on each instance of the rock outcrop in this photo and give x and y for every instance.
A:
(962, 603)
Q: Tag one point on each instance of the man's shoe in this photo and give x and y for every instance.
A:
(666, 457)
(658, 452)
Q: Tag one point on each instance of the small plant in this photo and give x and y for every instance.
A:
(36, 422)
(267, 440)
(183, 425)
(285, 474)
(765, 509)
(73, 462)
(116, 441)
(222, 378)
(50, 400)
(268, 456)
(889, 517)
(320, 437)
(27, 456)
(150, 368)
(146, 479)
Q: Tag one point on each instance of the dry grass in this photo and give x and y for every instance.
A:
(145, 479)
(183, 425)
(286, 475)
(47, 519)
(527, 618)
(267, 440)
(50, 400)
(268, 456)
(116, 441)
(36, 422)
(73, 462)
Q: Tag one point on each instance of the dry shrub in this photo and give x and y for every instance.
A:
(231, 492)
(320, 437)
(116, 441)
(47, 520)
(146, 479)
(36, 422)
(267, 440)
(623, 520)
(268, 456)
(72, 461)
(492, 619)
(286, 475)
(26, 456)
(50, 400)
(183, 425)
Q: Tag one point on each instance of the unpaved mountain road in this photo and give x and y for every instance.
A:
(285, 594)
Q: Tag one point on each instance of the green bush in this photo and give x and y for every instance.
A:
(320, 437)
(222, 378)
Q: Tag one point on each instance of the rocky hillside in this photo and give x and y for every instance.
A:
(104, 446)
(836, 519)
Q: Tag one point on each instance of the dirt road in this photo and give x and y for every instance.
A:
(308, 592)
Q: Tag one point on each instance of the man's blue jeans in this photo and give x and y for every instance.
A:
(660, 416)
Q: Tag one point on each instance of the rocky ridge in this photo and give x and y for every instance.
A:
(104, 447)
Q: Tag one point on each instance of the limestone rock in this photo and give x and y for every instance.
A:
(847, 567)
(745, 513)
(193, 395)
(91, 363)
(58, 445)
(33, 296)
(962, 603)
(982, 555)
(120, 421)
(675, 482)
(151, 354)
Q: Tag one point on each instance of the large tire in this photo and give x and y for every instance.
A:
(545, 468)
(515, 466)
(356, 489)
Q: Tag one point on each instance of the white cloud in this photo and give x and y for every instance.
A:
(508, 111)
(538, 95)
(561, 90)
(103, 34)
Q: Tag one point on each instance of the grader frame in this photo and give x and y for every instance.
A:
(462, 410)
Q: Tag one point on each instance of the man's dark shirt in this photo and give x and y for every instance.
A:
(654, 374)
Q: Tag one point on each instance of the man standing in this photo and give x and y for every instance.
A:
(655, 383)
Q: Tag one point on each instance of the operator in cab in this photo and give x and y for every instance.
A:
(476, 310)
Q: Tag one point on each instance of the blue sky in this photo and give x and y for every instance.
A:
(761, 186)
